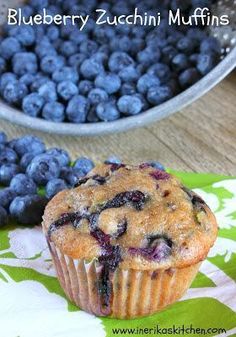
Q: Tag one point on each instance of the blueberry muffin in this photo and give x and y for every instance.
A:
(128, 240)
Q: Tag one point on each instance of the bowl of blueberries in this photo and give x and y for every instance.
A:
(111, 77)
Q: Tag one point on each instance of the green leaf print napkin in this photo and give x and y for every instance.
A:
(32, 303)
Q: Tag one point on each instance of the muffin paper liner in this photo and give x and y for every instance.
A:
(135, 292)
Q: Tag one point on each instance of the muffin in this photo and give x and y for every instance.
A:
(128, 240)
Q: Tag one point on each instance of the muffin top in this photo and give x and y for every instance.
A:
(136, 216)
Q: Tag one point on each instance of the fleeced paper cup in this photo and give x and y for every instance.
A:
(135, 293)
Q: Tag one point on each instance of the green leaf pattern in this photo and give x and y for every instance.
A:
(30, 292)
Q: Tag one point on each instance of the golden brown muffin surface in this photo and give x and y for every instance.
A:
(142, 214)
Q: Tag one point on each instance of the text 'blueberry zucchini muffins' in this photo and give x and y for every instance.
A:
(127, 241)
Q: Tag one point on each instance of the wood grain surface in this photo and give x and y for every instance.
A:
(200, 138)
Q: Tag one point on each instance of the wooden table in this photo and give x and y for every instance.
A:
(201, 138)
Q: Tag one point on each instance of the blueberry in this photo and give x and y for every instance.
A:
(27, 11)
(39, 4)
(206, 63)
(129, 74)
(6, 79)
(176, 4)
(9, 47)
(85, 87)
(38, 82)
(11, 143)
(23, 185)
(123, 44)
(26, 160)
(3, 65)
(67, 29)
(14, 92)
(76, 60)
(53, 33)
(160, 70)
(39, 33)
(27, 79)
(55, 186)
(29, 209)
(91, 68)
(68, 48)
(146, 81)
(54, 111)
(84, 165)
(97, 96)
(48, 91)
(24, 63)
(92, 116)
(174, 37)
(88, 47)
(201, 3)
(49, 64)
(105, 49)
(128, 89)
(186, 45)
(159, 94)
(188, 77)
(6, 197)
(159, 248)
(43, 168)
(3, 138)
(107, 111)
(69, 175)
(8, 155)
(168, 53)
(138, 31)
(29, 144)
(157, 43)
(143, 100)
(62, 156)
(67, 89)
(194, 59)
(135, 197)
(113, 160)
(197, 34)
(33, 104)
(103, 34)
(78, 38)
(54, 9)
(148, 56)
(119, 61)
(57, 43)
(130, 105)
(77, 109)
(111, 83)
(100, 57)
(45, 48)
(157, 165)
(7, 172)
(3, 217)
(65, 74)
(24, 34)
(137, 45)
(210, 45)
(180, 62)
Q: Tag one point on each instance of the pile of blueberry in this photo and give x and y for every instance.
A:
(30, 175)
(102, 73)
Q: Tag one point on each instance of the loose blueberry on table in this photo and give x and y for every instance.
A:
(30, 175)
(102, 73)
